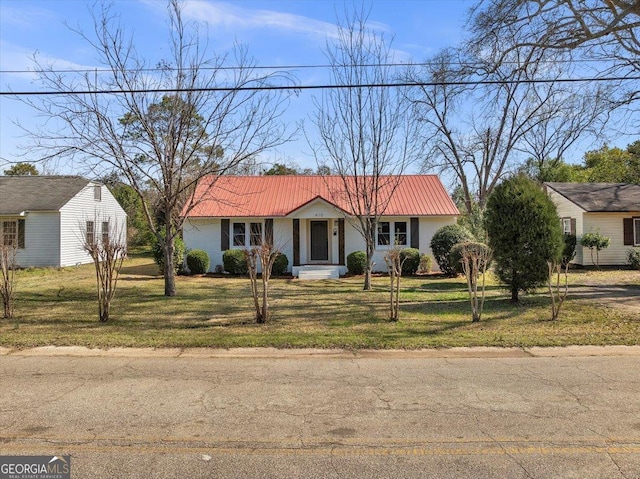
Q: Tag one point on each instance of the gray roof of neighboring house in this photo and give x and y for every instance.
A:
(594, 197)
(37, 193)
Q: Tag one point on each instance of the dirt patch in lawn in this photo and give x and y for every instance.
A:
(620, 289)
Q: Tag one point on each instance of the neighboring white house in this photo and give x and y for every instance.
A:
(49, 218)
(309, 218)
(611, 209)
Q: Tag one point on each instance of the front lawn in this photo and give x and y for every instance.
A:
(57, 307)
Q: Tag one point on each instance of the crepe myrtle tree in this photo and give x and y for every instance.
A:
(108, 250)
(164, 125)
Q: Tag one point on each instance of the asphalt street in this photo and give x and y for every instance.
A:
(199, 414)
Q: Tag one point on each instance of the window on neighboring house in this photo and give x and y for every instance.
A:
(10, 233)
(384, 233)
(400, 230)
(239, 234)
(97, 193)
(105, 232)
(636, 231)
(90, 233)
(256, 234)
(566, 226)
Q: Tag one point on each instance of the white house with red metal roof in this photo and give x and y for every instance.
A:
(310, 220)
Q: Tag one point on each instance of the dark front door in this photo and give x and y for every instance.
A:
(319, 241)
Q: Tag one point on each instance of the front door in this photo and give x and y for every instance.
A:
(319, 241)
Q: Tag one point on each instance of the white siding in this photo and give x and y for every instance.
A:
(608, 224)
(41, 240)
(568, 209)
(80, 209)
(204, 234)
(428, 227)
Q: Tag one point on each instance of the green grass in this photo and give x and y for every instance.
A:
(58, 307)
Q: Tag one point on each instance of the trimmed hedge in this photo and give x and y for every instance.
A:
(280, 265)
(411, 258)
(357, 262)
(633, 258)
(198, 261)
(234, 262)
(443, 240)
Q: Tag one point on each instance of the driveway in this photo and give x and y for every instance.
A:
(334, 414)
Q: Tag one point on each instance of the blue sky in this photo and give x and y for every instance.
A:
(276, 33)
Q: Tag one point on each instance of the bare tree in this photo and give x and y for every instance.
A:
(8, 253)
(366, 136)
(604, 31)
(165, 127)
(395, 261)
(108, 252)
(263, 257)
(557, 292)
(475, 259)
(482, 113)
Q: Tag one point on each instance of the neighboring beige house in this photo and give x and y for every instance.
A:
(611, 209)
(310, 218)
(49, 218)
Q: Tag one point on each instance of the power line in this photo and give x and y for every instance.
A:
(284, 67)
(315, 87)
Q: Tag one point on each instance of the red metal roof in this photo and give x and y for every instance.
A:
(279, 195)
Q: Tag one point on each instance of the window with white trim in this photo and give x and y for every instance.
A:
(10, 233)
(97, 193)
(400, 233)
(247, 234)
(255, 234)
(90, 232)
(636, 231)
(239, 231)
(105, 232)
(566, 226)
(384, 233)
(399, 229)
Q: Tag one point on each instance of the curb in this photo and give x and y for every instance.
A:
(274, 353)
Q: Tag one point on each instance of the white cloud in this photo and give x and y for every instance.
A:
(24, 17)
(232, 16)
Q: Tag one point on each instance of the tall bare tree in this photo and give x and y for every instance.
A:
(602, 30)
(366, 136)
(167, 125)
(482, 113)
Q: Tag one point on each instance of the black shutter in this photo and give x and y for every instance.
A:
(573, 226)
(627, 228)
(296, 242)
(268, 231)
(21, 233)
(415, 233)
(224, 235)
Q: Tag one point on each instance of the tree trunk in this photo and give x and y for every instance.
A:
(369, 266)
(169, 268)
(514, 295)
(104, 312)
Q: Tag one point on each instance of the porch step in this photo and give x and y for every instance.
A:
(314, 272)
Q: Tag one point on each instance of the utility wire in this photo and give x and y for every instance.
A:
(284, 67)
(314, 87)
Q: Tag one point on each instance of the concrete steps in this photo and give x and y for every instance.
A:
(316, 272)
